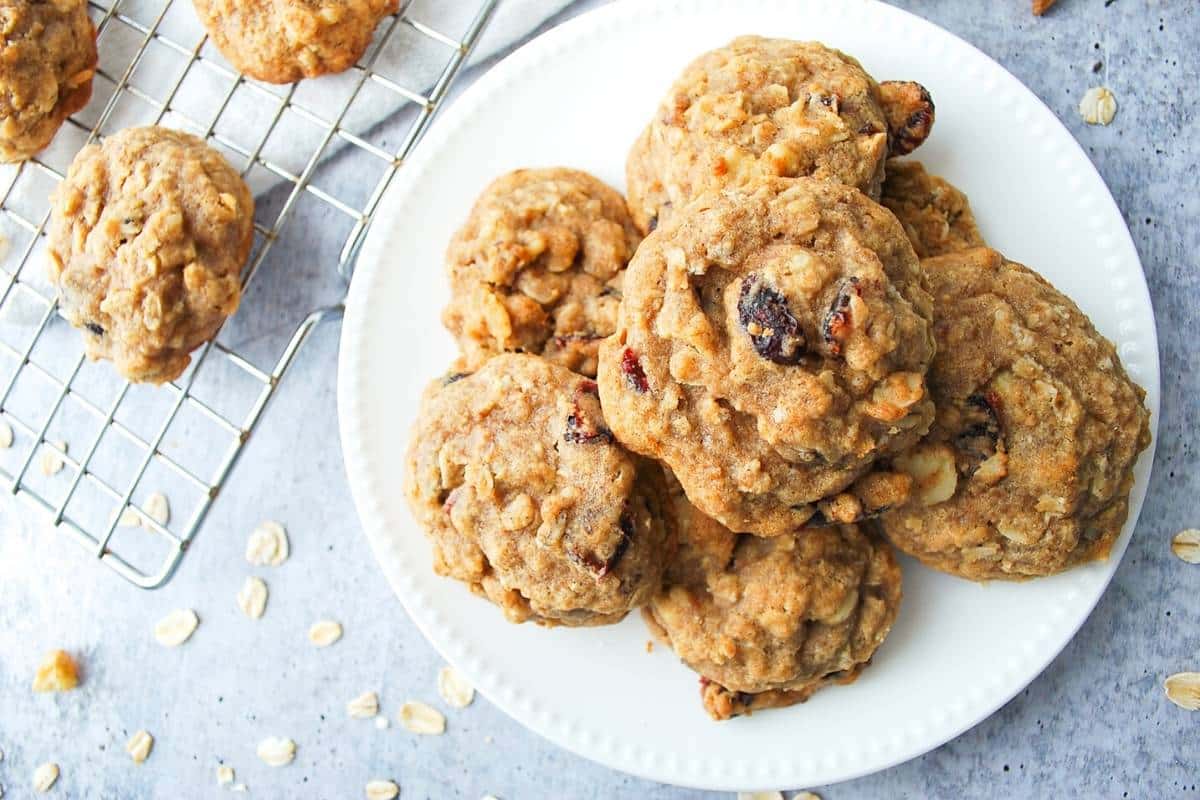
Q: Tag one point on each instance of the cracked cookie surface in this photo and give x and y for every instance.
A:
(768, 622)
(528, 498)
(538, 266)
(281, 41)
(1029, 464)
(772, 345)
(148, 235)
(936, 216)
(762, 107)
(47, 60)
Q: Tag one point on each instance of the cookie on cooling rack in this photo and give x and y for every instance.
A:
(537, 267)
(148, 235)
(772, 345)
(281, 41)
(528, 498)
(47, 60)
(936, 216)
(768, 622)
(771, 107)
(1028, 467)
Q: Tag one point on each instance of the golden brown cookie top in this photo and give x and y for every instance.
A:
(762, 107)
(281, 41)
(148, 235)
(1028, 467)
(47, 59)
(526, 495)
(936, 216)
(772, 344)
(537, 267)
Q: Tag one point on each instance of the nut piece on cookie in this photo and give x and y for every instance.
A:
(763, 107)
(529, 500)
(148, 235)
(281, 41)
(47, 60)
(1029, 463)
(768, 622)
(772, 345)
(936, 216)
(537, 267)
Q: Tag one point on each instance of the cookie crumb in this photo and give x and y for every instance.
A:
(1183, 689)
(276, 751)
(365, 706)
(421, 718)
(382, 790)
(58, 672)
(176, 628)
(649, 645)
(1098, 106)
(252, 598)
(44, 777)
(139, 746)
(1042, 6)
(760, 796)
(224, 775)
(454, 688)
(1186, 545)
(324, 633)
(267, 545)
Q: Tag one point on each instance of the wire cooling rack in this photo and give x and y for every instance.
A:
(90, 449)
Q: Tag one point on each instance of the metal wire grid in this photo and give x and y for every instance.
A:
(97, 534)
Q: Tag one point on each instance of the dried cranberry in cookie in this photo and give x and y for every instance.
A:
(772, 345)
(1029, 464)
(528, 499)
(763, 107)
(537, 267)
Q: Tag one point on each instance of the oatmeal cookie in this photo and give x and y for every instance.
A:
(772, 344)
(771, 107)
(935, 215)
(1028, 466)
(281, 41)
(767, 622)
(537, 267)
(47, 59)
(529, 500)
(148, 235)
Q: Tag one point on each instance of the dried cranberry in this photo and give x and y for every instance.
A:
(601, 567)
(764, 314)
(453, 377)
(980, 436)
(838, 324)
(94, 328)
(562, 341)
(585, 422)
(910, 113)
(635, 376)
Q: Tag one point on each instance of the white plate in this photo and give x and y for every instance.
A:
(577, 96)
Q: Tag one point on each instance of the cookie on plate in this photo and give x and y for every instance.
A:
(767, 622)
(1028, 467)
(47, 60)
(936, 216)
(148, 235)
(528, 498)
(763, 107)
(537, 267)
(772, 344)
(281, 41)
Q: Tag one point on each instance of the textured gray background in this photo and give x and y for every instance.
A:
(1095, 724)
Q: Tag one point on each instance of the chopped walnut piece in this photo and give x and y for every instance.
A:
(58, 672)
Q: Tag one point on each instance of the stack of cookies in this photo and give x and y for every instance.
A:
(726, 399)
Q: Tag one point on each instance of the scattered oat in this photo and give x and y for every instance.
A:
(252, 598)
(129, 518)
(268, 545)
(224, 775)
(176, 628)
(488, 739)
(806, 796)
(58, 672)
(1183, 689)
(454, 688)
(276, 752)
(1039, 7)
(421, 718)
(760, 796)
(381, 722)
(238, 787)
(139, 746)
(1186, 545)
(324, 633)
(6, 435)
(158, 508)
(52, 461)
(1098, 106)
(382, 790)
(365, 706)
(44, 777)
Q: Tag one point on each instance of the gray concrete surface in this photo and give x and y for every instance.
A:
(1095, 724)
